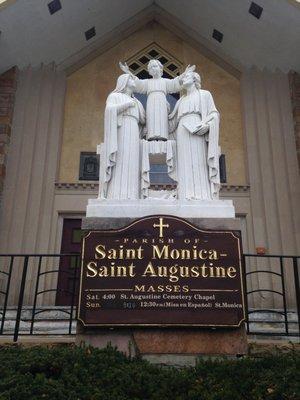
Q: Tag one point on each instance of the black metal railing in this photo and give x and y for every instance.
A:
(278, 312)
(14, 268)
(33, 281)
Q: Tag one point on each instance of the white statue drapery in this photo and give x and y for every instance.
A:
(157, 105)
(197, 155)
(120, 155)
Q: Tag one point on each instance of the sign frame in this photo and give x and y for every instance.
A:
(165, 325)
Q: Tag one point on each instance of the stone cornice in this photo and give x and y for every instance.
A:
(84, 187)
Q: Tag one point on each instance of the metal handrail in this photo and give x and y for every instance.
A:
(74, 274)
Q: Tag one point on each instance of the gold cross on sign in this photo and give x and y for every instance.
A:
(161, 226)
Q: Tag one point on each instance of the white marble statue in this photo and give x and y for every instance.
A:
(195, 120)
(157, 88)
(120, 155)
(192, 155)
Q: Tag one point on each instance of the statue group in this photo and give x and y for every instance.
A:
(188, 136)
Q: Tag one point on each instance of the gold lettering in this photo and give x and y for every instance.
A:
(185, 254)
(195, 272)
(231, 272)
(162, 271)
(203, 254)
(173, 270)
(184, 272)
(139, 252)
(175, 254)
(100, 252)
(138, 288)
(112, 254)
(131, 268)
(121, 271)
(213, 255)
(164, 252)
(220, 272)
(91, 267)
(150, 270)
(103, 271)
(203, 269)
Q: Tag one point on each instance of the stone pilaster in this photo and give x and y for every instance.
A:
(294, 79)
(8, 84)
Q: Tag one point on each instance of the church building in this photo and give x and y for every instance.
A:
(59, 60)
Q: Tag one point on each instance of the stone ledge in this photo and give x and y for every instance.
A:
(93, 186)
(213, 209)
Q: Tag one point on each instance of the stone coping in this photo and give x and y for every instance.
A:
(93, 186)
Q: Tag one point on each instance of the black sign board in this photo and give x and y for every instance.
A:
(161, 271)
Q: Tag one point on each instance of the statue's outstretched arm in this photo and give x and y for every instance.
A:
(124, 67)
(175, 85)
(140, 84)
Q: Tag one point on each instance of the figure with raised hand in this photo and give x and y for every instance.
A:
(157, 88)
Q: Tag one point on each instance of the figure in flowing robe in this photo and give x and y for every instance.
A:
(195, 120)
(120, 152)
(157, 108)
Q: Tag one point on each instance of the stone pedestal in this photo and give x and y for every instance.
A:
(188, 209)
(166, 341)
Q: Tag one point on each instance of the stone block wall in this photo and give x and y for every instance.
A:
(8, 84)
(294, 78)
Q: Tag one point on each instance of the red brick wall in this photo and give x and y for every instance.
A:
(295, 94)
(8, 84)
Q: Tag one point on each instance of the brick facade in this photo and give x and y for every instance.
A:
(294, 78)
(8, 84)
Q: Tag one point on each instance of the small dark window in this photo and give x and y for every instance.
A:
(255, 10)
(153, 53)
(134, 66)
(90, 33)
(217, 35)
(144, 60)
(222, 165)
(89, 166)
(172, 67)
(163, 59)
(54, 6)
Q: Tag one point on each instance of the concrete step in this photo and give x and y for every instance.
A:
(56, 321)
(47, 321)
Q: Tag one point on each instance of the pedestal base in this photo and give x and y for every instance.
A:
(171, 341)
(154, 206)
